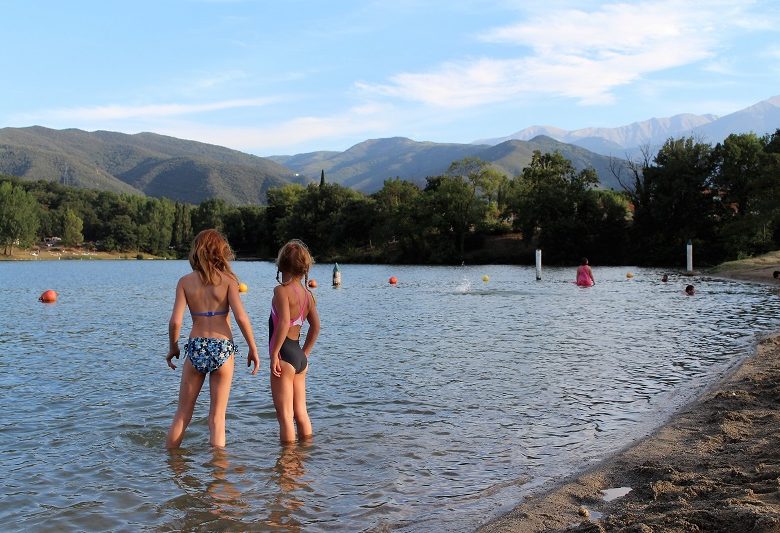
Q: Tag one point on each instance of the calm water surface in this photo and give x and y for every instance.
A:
(437, 404)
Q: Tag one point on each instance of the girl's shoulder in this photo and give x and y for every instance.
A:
(192, 277)
(280, 290)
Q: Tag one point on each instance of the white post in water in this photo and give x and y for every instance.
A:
(336, 276)
(538, 264)
(689, 256)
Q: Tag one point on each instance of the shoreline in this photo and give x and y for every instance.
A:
(74, 254)
(714, 465)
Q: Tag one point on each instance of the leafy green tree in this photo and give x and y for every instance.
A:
(18, 217)
(122, 234)
(279, 220)
(770, 184)
(678, 205)
(740, 188)
(209, 214)
(401, 223)
(490, 185)
(393, 202)
(247, 232)
(181, 232)
(549, 203)
(156, 226)
(72, 225)
(455, 210)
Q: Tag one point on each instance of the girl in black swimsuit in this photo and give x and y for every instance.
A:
(292, 304)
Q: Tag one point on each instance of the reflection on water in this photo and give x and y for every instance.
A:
(435, 403)
(210, 499)
(289, 474)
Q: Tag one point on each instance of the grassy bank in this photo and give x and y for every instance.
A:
(56, 254)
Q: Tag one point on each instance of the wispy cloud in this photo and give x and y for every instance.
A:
(578, 54)
(276, 138)
(143, 112)
(224, 78)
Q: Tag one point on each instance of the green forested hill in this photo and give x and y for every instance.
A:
(367, 165)
(145, 163)
(512, 156)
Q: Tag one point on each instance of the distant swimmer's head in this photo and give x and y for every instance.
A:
(294, 259)
(689, 290)
(665, 278)
(210, 256)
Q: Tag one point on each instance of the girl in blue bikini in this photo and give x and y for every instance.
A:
(211, 292)
(292, 304)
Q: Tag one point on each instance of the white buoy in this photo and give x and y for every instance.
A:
(538, 264)
(689, 256)
(336, 276)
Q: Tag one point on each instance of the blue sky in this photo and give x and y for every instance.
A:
(286, 77)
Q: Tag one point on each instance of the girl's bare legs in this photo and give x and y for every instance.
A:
(191, 383)
(282, 392)
(299, 406)
(219, 388)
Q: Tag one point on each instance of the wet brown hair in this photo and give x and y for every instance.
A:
(294, 258)
(210, 256)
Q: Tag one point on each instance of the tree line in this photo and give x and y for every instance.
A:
(723, 198)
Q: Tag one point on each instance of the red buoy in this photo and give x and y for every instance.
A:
(48, 297)
(393, 280)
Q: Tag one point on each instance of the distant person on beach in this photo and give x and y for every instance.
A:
(665, 278)
(293, 303)
(585, 274)
(689, 290)
(211, 292)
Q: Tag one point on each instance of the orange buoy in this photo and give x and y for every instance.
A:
(313, 283)
(48, 297)
(393, 280)
(242, 287)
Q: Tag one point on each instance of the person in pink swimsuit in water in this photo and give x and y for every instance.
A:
(585, 274)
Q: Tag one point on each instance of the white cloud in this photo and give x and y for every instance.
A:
(578, 54)
(301, 131)
(151, 111)
(225, 78)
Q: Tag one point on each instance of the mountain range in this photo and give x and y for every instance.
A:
(190, 171)
(145, 163)
(368, 164)
(626, 141)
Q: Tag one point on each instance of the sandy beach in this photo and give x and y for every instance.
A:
(714, 466)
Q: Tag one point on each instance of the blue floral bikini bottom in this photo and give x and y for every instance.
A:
(207, 354)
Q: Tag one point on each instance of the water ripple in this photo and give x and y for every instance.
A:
(435, 403)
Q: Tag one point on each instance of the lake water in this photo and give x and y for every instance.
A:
(436, 404)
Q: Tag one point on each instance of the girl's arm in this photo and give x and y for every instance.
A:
(242, 319)
(281, 329)
(174, 324)
(314, 326)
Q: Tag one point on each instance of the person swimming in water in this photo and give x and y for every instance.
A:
(211, 292)
(292, 304)
(585, 274)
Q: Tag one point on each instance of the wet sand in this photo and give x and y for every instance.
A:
(714, 466)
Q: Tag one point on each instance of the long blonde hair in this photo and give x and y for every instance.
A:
(210, 257)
